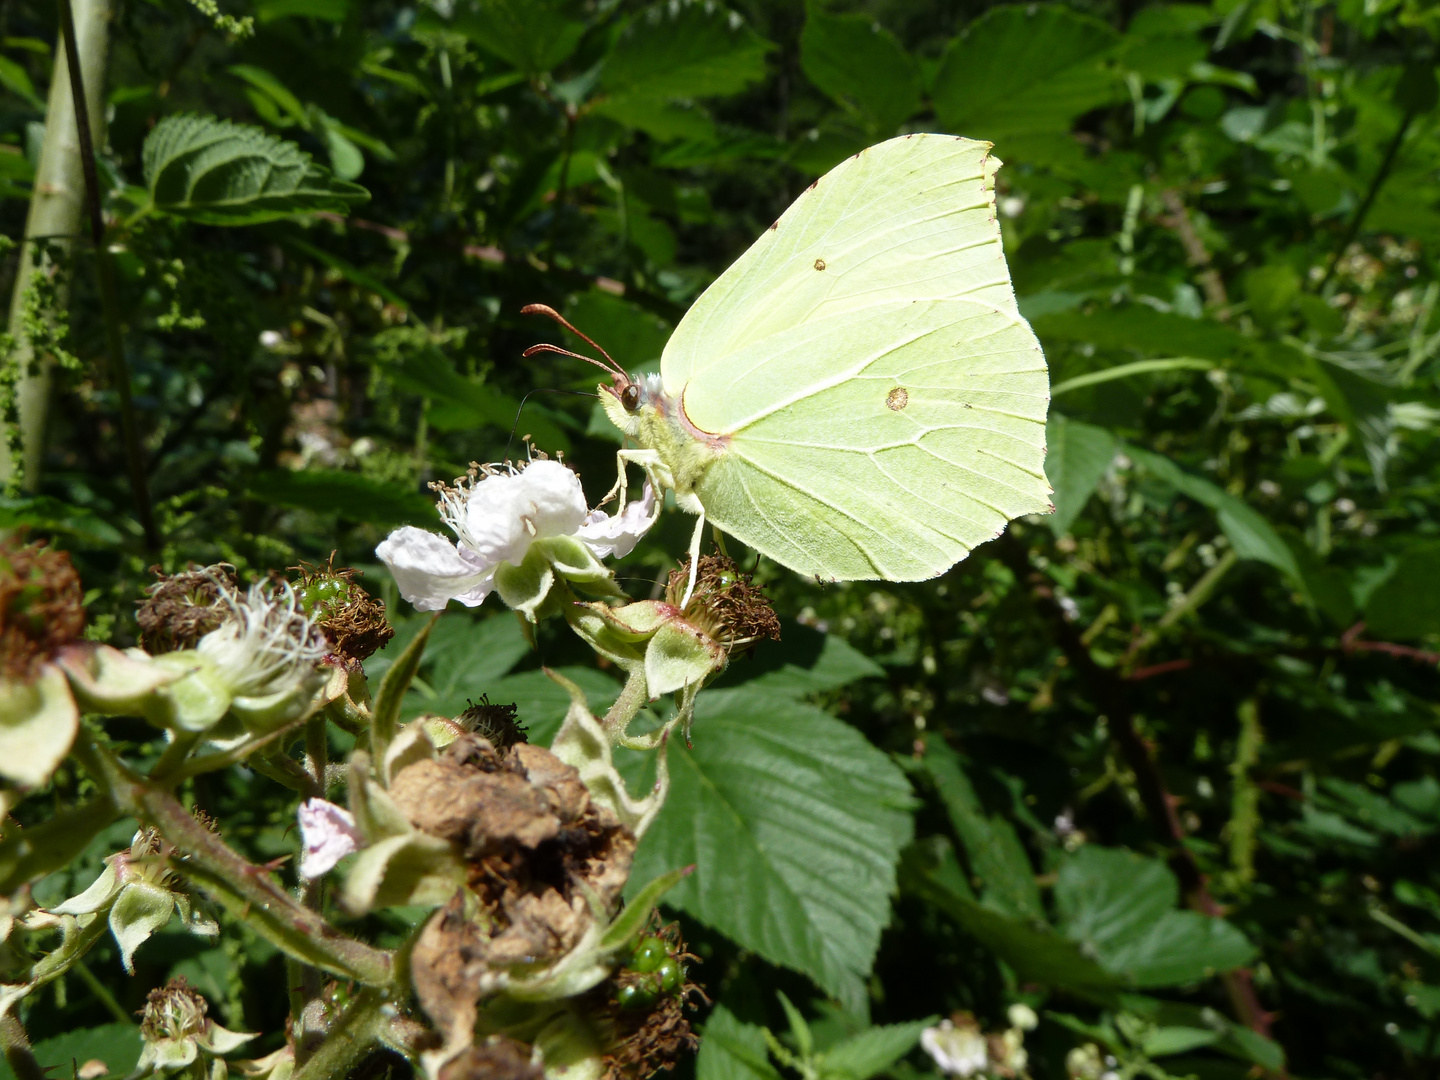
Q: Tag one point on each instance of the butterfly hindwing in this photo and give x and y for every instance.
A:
(882, 443)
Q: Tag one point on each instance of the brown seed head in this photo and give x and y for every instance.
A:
(180, 609)
(173, 1011)
(726, 604)
(352, 620)
(41, 606)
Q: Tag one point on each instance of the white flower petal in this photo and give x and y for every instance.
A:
(958, 1051)
(329, 834)
(617, 534)
(490, 523)
(556, 499)
(431, 571)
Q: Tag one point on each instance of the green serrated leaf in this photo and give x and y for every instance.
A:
(860, 65)
(994, 851)
(221, 173)
(534, 36)
(684, 51)
(874, 1050)
(795, 823)
(1120, 907)
(1024, 71)
(1077, 457)
(733, 1050)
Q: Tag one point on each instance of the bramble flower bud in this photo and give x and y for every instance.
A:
(137, 893)
(328, 833)
(517, 530)
(676, 647)
(178, 1035)
(41, 613)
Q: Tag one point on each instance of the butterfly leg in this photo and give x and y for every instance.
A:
(694, 557)
(646, 459)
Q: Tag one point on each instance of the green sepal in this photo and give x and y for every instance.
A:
(139, 910)
(680, 655)
(111, 682)
(630, 923)
(569, 1049)
(38, 723)
(415, 868)
(195, 701)
(262, 715)
(583, 743)
(525, 587)
(575, 562)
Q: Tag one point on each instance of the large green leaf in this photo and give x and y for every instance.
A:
(1030, 946)
(1077, 456)
(873, 1050)
(1250, 535)
(679, 51)
(1024, 71)
(861, 66)
(1121, 909)
(220, 173)
(996, 856)
(351, 495)
(795, 823)
(534, 36)
(117, 1045)
(731, 1049)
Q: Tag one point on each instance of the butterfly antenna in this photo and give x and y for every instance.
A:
(551, 313)
(540, 390)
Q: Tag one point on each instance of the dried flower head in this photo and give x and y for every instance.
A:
(266, 644)
(352, 620)
(180, 609)
(494, 723)
(641, 1009)
(539, 854)
(497, 1058)
(173, 1011)
(41, 606)
(726, 604)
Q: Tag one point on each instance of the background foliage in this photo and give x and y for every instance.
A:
(1221, 220)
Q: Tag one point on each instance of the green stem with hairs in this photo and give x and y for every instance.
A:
(358, 1030)
(245, 890)
(18, 1054)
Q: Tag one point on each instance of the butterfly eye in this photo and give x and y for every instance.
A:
(630, 397)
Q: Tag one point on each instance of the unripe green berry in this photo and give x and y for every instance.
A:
(635, 996)
(671, 974)
(649, 955)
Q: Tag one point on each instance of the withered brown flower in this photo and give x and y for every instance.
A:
(352, 620)
(180, 609)
(41, 606)
(726, 604)
(539, 852)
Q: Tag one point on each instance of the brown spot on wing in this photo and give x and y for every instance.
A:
(897, 399)
(819, 264)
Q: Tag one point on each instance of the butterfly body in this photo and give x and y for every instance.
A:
(857, 397)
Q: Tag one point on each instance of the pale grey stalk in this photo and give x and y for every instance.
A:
(57, 211)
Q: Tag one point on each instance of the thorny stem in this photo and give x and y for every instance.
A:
(109, 302)
(357, 1030)
(1112, 699)
(244, 889)
(18, 1054)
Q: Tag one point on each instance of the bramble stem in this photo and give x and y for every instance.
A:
(245, 890)
(18, 1054)
(357, 1030)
